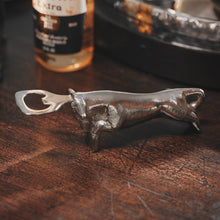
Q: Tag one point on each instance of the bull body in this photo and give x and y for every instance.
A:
(106, 110)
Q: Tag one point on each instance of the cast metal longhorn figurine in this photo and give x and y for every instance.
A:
(106, 110)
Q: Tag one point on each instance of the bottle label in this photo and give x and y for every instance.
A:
(58, 25)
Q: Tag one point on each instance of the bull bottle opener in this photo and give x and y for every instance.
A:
(107, 110)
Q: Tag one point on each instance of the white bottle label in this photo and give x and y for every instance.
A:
(60, 7)
(59, 25)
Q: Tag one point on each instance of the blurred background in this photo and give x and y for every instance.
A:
(177, 40)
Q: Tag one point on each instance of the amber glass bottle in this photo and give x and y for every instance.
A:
(63, 33)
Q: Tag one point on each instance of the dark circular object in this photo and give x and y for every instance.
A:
(185, 64)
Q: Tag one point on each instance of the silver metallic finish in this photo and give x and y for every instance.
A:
(54, 101)
(107, 110)
(171, 26)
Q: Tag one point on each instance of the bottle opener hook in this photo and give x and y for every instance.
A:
(53, 100)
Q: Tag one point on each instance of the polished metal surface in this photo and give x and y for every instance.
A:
(54, 101)
(107, 110)
(190, 24)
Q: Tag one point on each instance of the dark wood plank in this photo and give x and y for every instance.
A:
(160, 169)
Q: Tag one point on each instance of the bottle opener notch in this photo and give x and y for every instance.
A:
(53, 101)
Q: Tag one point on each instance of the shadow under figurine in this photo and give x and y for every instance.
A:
(107, 110)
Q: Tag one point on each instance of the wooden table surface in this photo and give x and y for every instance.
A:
(161, 169)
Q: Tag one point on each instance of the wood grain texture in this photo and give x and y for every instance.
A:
(161, 169)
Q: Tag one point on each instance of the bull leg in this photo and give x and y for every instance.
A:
(171, 112)
(95, 132)
(195, 121)
(181, 114)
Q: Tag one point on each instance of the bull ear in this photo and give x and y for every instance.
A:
(71, 91)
